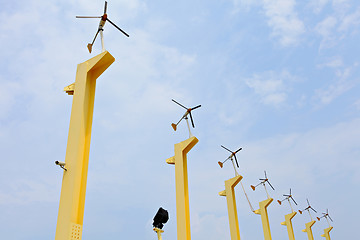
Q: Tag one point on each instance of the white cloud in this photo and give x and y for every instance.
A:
(335, 62)
(357, 104)
(350, 20)
(339, 87)
(282, 18)
(270, 86)
(243, 4)
(341, 6)
(318, 5)
(334, 28)
(284, 21)
(325, 27)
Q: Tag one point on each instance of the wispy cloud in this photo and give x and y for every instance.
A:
(318, 5)
(351, 20)
(339, 87)
(326, 28)
(341, 6)
(271, 86)
(357, 104)
(243, 4)
(283, 20)
(334, 62)
(342, 22)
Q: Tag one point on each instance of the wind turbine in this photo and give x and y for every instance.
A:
(326, 216)
(231, 157)
(288, 197)
(263, 181)
(185, 116)
(308, 209)
(103, 20)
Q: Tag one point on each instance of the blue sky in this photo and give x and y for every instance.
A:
(278, 78)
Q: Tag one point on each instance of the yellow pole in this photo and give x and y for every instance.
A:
(158, 231)
(264, 217)
(231, 204)
(289, 226)
(72, 198)
(182, 189)
(327, 233)
(308, 230)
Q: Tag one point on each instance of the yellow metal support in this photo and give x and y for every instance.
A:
(158, 231)
(288, 225)
(308, 230)
(231, 204)
(264, 217)
(182, 189)
(327, 233)
(72, 198)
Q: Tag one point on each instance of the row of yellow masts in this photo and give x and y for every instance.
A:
(72, 198)
(182, 201)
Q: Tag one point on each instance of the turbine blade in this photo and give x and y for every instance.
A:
(87, 17)
(290, 191)
(330, 217)
(270, 185)
(178, 103)
(238, 150)
(265, 174)
(105, 7)
(192, 121)
(313, 209)
(225, 148)
(117, 27)
(293, 200)
(237, 164)
(308, 202)
(196, 107)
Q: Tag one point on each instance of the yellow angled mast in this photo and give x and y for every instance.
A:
(229, 193)
(290, 216)
(72, 198)
(310, 224)
(263, 205)
(181, 176)
(231, 204)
